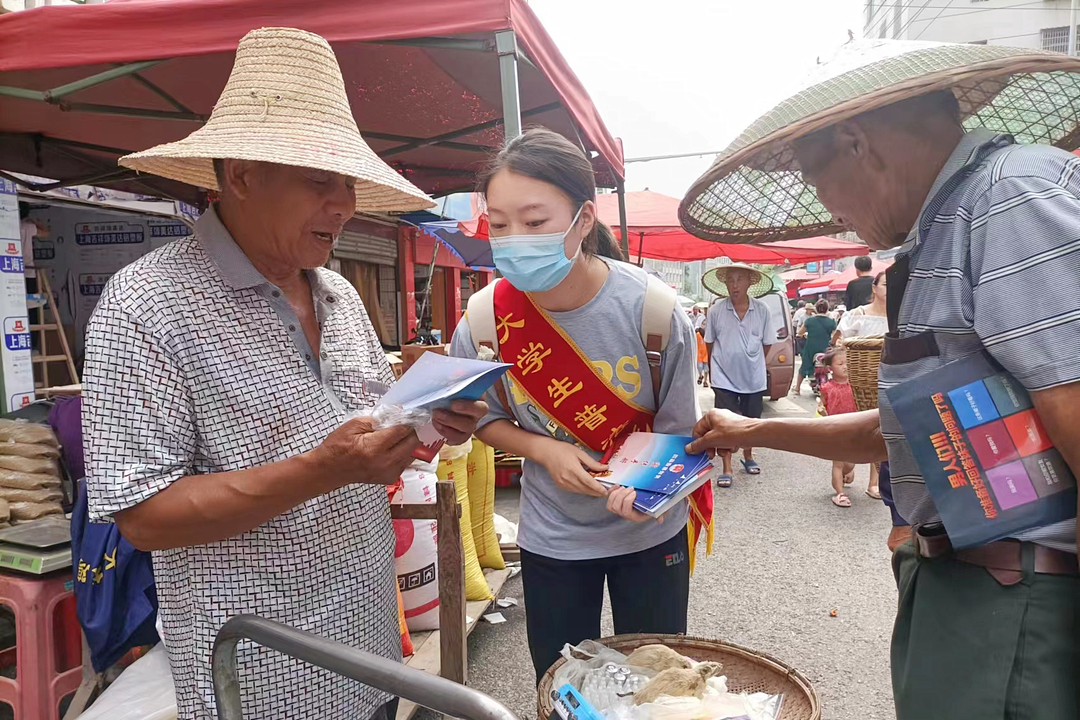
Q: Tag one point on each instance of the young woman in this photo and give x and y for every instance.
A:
(869, 319)
(570, 323)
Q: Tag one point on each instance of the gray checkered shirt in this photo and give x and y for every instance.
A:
(994, 264)
(195, 363)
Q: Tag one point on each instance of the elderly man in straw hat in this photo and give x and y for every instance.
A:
(737, 340)
(944, 151)
(219, 372)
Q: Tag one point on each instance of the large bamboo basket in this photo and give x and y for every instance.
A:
(746, 671)
(863, 359)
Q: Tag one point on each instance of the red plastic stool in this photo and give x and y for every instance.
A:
(48, 645)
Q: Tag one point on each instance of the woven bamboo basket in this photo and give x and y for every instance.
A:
(863, 358)
(746, 671)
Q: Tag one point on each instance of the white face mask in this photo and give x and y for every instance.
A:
(535, 263)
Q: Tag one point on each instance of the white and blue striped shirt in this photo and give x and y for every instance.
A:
(994, 265)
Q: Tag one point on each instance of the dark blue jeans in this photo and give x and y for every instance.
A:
(649, 592)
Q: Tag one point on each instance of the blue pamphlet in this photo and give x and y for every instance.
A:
(989, 465)
(660, 470)
(434, 381)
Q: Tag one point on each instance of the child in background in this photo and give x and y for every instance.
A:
(836, 399)
(702, 359)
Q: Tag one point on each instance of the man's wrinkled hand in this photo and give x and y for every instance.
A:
(719, 430)
(357, 452)
(458, 423)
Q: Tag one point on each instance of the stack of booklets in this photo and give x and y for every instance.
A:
(989, 465)
(660, 470)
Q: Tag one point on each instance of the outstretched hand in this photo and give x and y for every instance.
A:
(719, 430)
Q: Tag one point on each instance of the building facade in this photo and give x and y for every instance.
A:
(1043, 25)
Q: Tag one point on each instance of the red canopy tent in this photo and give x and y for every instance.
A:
(654, 232)
(838, 282)
(794, 279)
(430, 82)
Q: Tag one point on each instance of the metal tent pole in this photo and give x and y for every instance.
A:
(506, 46)
(620, 189)
(1072, 27)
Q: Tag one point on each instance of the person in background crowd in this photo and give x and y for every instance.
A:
(220, 369)
(858, 291)
(990, 632)
(702, 357)
(817, 329)
(570, 322)
(797, 320)
(700, 318)
(867, 320)
(836, 399)
(799, 315)
(736, 334)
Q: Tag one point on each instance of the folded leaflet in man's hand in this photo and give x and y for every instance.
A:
(435, 381)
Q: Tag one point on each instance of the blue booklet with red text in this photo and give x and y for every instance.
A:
(989, 465)
(660, 470)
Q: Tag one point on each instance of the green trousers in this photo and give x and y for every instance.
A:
(968, 648)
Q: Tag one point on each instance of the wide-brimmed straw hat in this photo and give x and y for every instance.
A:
(754, 191)
(285, 103)
(715, 280)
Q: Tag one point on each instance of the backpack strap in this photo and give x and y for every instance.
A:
(656, 313)
(480, 314)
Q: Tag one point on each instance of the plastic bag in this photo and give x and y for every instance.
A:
(36, 466)
(481, 471)
(144, 691)
(506, 530)
(28, 450)
(718, 704)
(612, 686)
(27, 481)
(580, 659)
(416, 551)
(21, 431)
(389, 415)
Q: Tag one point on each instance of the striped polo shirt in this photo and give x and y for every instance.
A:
(995, 265)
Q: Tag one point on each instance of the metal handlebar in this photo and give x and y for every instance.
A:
(430, 691)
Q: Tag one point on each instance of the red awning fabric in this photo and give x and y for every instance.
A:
(652, 221)
(408, 82)
(838, 282)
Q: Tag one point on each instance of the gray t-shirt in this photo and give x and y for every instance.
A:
(568, 526)
(738, 353)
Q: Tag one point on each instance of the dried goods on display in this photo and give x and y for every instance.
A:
(29, 471)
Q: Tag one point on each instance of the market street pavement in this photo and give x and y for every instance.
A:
(784, 558)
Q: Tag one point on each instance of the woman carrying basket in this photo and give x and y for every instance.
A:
(570, 322)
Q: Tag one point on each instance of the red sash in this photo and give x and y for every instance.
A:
(560, 380)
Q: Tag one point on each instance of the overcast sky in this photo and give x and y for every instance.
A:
(688, 75)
